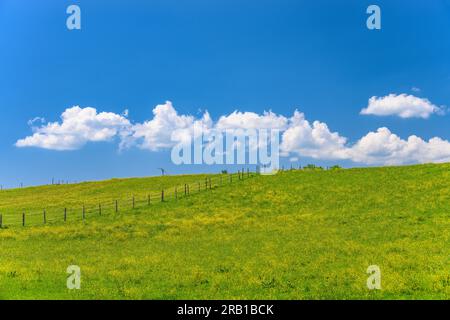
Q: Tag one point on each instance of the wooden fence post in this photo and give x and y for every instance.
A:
(185, 189)
(45, 216)
(176, 193)
(198, 186)
(148, 199)
(23, 219)
(162, 195)
(117, 206)
(65, 214)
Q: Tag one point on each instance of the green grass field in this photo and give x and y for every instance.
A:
(55, 198)
(295, 235)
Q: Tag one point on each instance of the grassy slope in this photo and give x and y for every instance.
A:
(54, 198)
(295, 235)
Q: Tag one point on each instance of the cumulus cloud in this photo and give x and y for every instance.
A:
(299, 137)
(78, 126)
(403, 105)
(385, 148)
(311, 140)
(376, 148)
(166, 127)
(251, 120)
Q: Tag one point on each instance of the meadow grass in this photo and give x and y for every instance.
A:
(55, 199)
(295, 235)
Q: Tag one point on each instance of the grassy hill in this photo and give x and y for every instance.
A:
(90, 195)
(295, 235)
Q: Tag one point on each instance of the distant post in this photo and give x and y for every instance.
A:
(162, 195)
(117, 206)
(65, 214)
(23, 219)
(1, 221)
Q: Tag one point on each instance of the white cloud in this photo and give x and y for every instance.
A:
(78, 126)
(251, 120)
(385, 148)
(299, 138)
(376, 148)
(315, 141)
(404, 106)
(166, 127)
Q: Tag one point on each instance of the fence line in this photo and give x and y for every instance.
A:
(168, 194)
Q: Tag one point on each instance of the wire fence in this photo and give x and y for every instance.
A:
(116, 206)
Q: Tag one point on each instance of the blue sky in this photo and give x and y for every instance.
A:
(314, 56)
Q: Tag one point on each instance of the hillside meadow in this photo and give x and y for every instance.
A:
(302, 234)
(55, 199)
